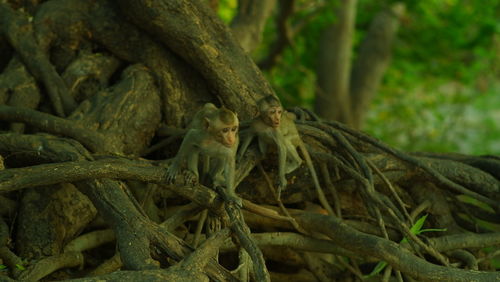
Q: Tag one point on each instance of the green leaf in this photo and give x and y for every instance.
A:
(415, 229)
(2, 266)
(20, 267)
(433, 230)
(378, 268)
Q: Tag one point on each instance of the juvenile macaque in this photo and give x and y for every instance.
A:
(213, 133)
(274, 126)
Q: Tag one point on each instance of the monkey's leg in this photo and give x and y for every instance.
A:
(293, 160)
(222, 174)
(205, 169)
(247, 137)
(262, 146)
(216, 169)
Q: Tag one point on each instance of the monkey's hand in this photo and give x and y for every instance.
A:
(292, 164)
(172, 171)
(190, 177)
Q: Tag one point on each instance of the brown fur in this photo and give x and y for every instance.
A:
(277, 128)
(213, 133)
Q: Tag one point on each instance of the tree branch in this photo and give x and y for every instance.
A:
(388, 251)
(19, 32)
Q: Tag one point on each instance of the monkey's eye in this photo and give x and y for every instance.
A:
(225, 130)
(234, 128)
(272, 111)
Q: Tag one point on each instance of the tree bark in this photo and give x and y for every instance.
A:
(200, 38)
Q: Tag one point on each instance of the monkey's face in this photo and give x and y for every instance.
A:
(223, 127)
(272, 116)
(227, 135)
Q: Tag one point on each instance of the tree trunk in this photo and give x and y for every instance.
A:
(214, 53)
(334, 64)
(345, 94)
(372, 61)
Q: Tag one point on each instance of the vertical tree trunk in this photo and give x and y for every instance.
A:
(332, 98)
(372, 61)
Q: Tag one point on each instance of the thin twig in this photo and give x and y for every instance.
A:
(353, 270)
(391, 188)
(280, 203)
(331, 187)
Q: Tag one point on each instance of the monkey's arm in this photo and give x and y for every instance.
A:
(182, 155)
(229, 173)
(247, 137)
(192, 175)
(282, 154)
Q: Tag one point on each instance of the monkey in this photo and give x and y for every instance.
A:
(275, 126)
(213, 133)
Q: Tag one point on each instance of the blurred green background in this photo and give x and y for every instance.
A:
(441, 92)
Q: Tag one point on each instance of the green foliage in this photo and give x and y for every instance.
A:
(294, 77)
(441, 91)
(227, 10)
(415, 229)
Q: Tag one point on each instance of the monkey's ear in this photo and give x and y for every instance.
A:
(206, 122)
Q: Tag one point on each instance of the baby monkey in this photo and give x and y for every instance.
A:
(276, 126)
(213, 133)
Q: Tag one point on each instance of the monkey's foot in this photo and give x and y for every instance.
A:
(280, 188)
(282, 183)
(292, 165)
